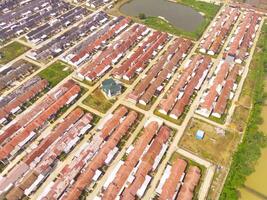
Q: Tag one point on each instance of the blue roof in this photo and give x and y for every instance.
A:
(200, 134)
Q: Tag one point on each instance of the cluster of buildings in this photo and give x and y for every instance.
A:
(96, 41)
(17, 18)
(112, 54)
(242, 40)
(69, 38)
(95, 44)
(157, 76)
(14, 101)
(96, 3)
(93, 3)
(221, 88)
(132, 175)
(219, 31)
(41, 160)
(87, 166)
(21, 132)
(54, 26)
(178, 181)
(139, 59)
(15, 72)
(182, 90)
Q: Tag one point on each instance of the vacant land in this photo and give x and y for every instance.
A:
(98, 101)
(215, 147)
(12, 51)
(56, 72)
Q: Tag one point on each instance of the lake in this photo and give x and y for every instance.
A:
(180, 16)
(256, 183)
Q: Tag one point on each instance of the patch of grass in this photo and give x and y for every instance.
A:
(214, 147)
(56, 72)
(12, 51)
(98, 101)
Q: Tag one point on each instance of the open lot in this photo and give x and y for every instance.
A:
(56, 72)
(98, 101)
(11, 51)
(214, 147)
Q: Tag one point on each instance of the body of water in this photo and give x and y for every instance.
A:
(256, 183)
(180, 16)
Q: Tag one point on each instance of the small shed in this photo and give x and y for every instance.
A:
(200, 135)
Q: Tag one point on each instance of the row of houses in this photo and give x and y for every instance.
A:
(153, 83)
(102, 62)
(138, 60)
(87, 165)
(23, 130)
(23, 95)
(221, 88)
(34, 178)
(52, 27)
(178, 182)
(132, 175)
(4, 100)
(216, 36)
(98, 40)
(64, 41)
(242, 40)
(101, 158)
(15, 72)
(25, 17)
(23, 179)
(189, 81)
(96, 3)
(8, 5)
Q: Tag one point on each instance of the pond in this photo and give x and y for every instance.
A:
(180, 16)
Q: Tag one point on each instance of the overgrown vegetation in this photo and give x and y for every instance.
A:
(55, 73)
(249, 150)
(12, 51)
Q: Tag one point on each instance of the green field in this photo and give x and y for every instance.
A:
(209, 11)
(98, 101)
(55, 73)
(12, 51)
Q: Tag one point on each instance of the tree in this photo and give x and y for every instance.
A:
(142, 16)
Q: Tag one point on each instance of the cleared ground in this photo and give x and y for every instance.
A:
(214, 147)
(12, 51)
